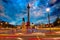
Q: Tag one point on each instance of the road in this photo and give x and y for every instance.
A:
(36, 35)
(30, 38)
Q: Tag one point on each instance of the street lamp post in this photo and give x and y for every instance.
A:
(48, 10)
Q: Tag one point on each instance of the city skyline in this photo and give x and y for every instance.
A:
(13, 11)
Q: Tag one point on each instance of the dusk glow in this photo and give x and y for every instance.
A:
(13, 11)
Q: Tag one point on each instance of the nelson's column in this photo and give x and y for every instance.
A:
(28, 22)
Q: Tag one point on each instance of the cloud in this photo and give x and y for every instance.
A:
(35, 10)
(12, 23)
(39, 21)
(18, 9)
(16, 22)
(37, 14)
(20, 16)
(52, 19)
(4, 15)
(52, 1)
(0, 0)
(1, 8)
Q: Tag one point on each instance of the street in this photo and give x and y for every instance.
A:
(31, 34)
(30, 38)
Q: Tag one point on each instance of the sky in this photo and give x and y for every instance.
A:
(13, 11)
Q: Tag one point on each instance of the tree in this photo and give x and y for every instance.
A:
(57, 22)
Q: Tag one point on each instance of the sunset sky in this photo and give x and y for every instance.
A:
(13, 11)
